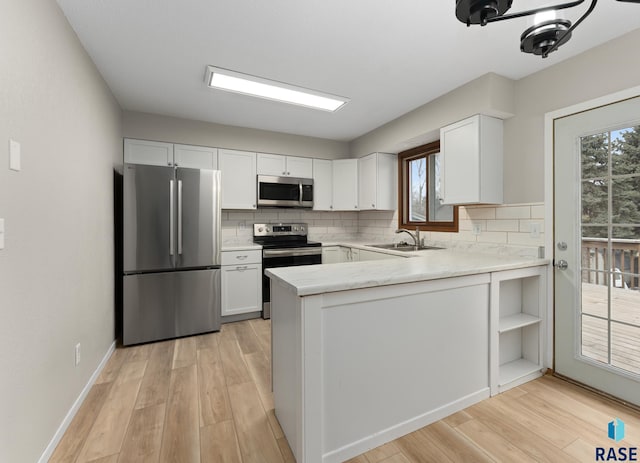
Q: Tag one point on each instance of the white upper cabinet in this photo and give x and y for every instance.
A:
(284, 166)
(471, 156)
(272, 164)
(195, 157)
(167, 154)
(322, 185)
(345, 184)
(299, 167)
(377, 182)
(238, 173)
(148, 152)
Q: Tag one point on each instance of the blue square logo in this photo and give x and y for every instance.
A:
(615, 430)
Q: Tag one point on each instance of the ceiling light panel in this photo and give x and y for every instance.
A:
(236, 82)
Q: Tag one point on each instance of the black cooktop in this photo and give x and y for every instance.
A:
(283, 242)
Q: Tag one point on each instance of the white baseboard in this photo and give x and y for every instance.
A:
(387, 435)
(75, 407)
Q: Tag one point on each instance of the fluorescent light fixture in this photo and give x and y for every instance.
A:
(245, 84)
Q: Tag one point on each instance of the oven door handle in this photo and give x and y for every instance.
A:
(294, 252)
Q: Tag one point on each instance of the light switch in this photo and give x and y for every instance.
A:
(1, 233)
(14, 155)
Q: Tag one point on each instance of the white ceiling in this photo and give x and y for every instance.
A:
(388, 56)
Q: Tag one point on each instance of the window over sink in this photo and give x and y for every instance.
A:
(419, 195)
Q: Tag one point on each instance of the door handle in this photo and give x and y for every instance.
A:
(171, 214)
(300, 191)
(561, 264)
(179, 216)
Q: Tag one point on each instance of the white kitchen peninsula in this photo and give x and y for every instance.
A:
(365, 352)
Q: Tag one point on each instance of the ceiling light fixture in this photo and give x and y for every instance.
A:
(236, 82)
(544, 37)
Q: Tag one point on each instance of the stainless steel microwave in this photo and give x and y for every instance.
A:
(284, 191)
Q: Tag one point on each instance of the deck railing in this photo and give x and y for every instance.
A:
(624, 264)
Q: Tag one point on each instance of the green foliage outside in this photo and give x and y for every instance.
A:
(623, 181)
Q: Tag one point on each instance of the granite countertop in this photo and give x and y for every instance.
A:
(423, 265)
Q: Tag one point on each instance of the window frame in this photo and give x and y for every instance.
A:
(404, 194)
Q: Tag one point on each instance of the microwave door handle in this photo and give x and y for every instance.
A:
(171, 214)
(300, 190)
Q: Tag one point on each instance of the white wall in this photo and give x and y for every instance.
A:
(175, 130)
(56, 272)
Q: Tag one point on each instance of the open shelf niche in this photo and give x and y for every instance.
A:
(517, 310)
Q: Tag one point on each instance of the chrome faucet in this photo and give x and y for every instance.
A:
(416, 237)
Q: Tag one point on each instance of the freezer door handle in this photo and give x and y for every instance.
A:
(171, 218)
(179, 216)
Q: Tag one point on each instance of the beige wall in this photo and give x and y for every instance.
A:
(171, 129)
(490, 94)
(600, 71)
(597, 72)
(56, 272)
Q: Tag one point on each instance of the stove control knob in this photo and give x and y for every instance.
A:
(295, 228)
(266, 229)
(260, 229)
(301, 229)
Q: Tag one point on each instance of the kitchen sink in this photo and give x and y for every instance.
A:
(404, 247)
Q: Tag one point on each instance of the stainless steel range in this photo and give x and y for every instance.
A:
(283, 245)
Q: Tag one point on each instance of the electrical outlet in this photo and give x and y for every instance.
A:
(77, 354)
(534, 230)
(476, 229)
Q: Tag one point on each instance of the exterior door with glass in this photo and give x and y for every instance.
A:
(597, 248)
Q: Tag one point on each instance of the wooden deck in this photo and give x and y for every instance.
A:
(625, 340)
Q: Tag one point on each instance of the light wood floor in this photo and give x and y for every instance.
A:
(206, 399)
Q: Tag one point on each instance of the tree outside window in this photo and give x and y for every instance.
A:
(419, 204)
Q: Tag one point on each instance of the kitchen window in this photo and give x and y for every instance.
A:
(419, 183)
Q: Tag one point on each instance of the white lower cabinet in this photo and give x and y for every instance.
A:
(241, 282)
(338, 254)
(331, 255)
(517, 313)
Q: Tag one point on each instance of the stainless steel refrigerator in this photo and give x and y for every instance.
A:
(171, 252)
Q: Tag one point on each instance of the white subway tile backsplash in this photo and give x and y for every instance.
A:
(513, 212)
(492, 237)
(537, 211)
(477, 213)
(503, 225)
(504, 229)
(525, 239)
(469, 224)
(464, 235)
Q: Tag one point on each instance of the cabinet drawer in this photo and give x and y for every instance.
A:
(253, 256)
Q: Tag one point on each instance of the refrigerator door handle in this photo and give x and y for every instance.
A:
(171, 216)
(179, 216)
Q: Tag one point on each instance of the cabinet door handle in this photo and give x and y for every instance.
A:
(373, 205)
(242, 257)
(242, 268)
